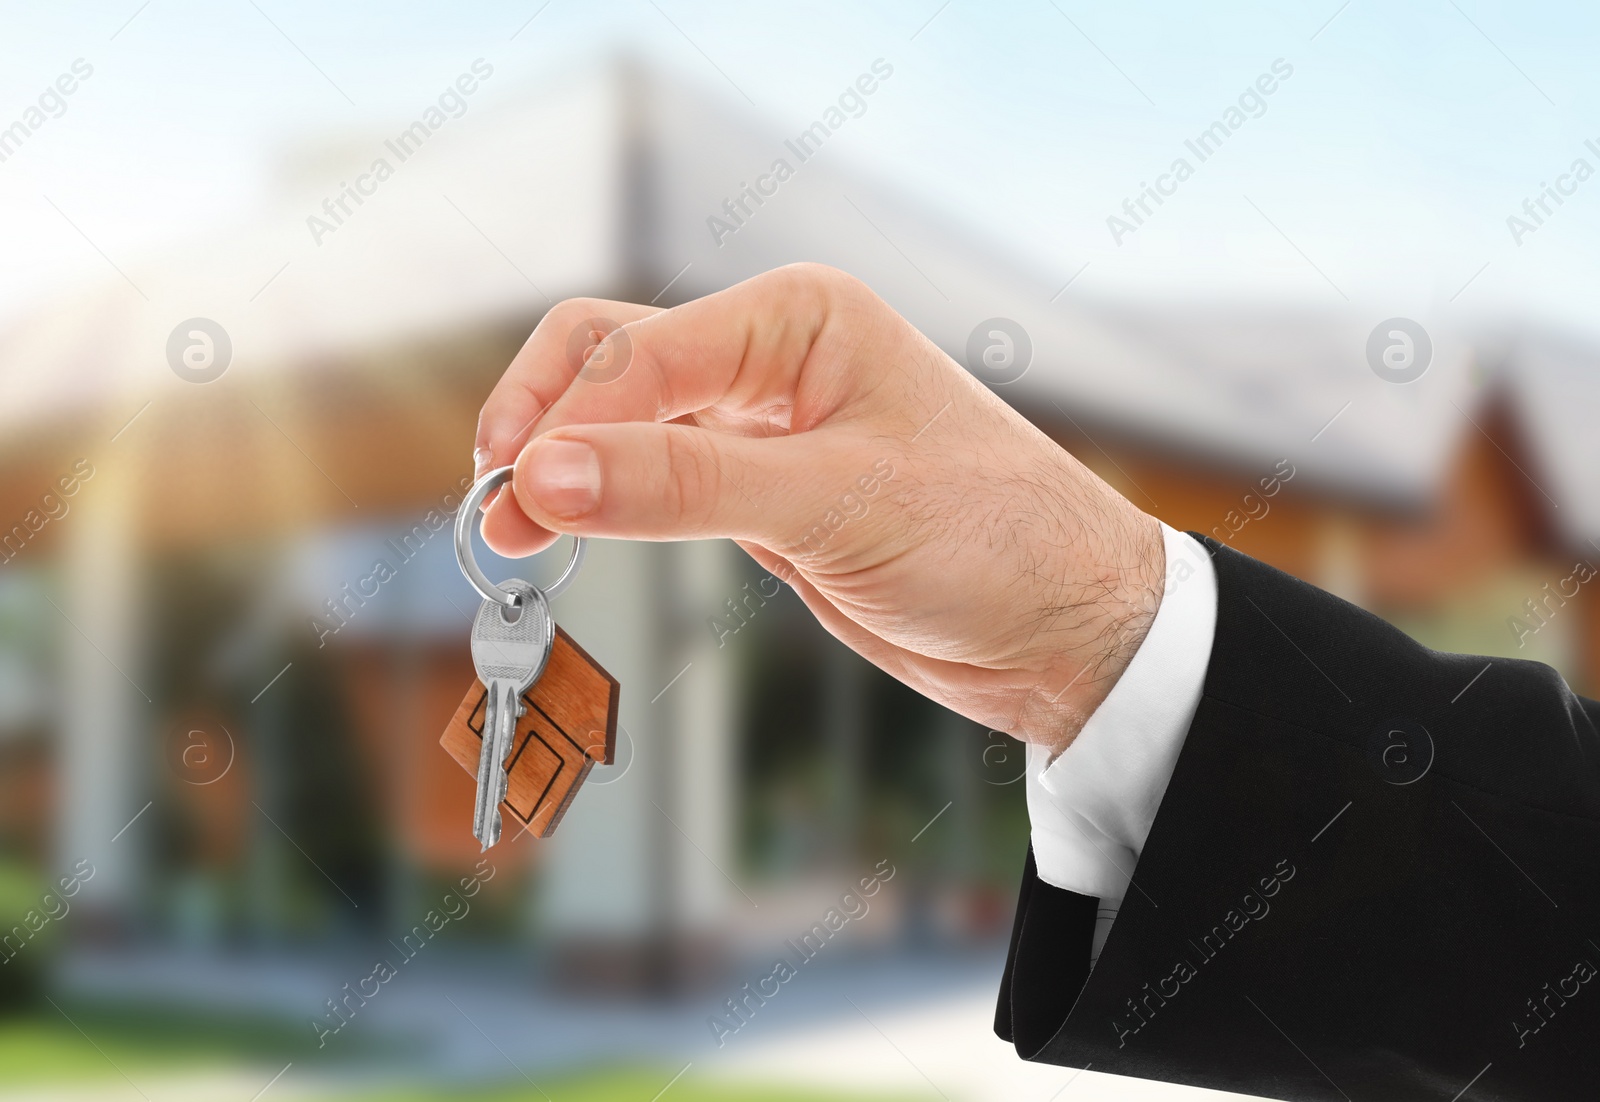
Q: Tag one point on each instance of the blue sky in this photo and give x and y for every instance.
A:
(1382, 171)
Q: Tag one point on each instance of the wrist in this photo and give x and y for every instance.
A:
(1117, 586)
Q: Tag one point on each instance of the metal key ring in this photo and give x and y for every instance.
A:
(469, 566)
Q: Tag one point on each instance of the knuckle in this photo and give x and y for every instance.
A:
(564, 317)
(570, 311)
(575, 328)
(811, 275)
(822, 284)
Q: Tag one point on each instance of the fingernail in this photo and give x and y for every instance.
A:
(481, 459)
(564, 478)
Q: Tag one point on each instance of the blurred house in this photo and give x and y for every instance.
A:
(176, 593)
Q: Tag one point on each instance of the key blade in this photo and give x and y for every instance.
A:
(486, 765)
(487, 795)
(498, 738)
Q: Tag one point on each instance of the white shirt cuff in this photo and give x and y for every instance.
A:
(1091, 809)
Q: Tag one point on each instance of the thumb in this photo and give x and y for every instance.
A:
(641, 480)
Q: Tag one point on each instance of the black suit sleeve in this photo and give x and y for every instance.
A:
(1375, 875)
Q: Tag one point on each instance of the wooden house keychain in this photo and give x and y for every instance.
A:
(542, 712)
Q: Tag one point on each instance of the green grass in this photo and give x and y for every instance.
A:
(102, 1043)
(637, 1085)
(78, 1043)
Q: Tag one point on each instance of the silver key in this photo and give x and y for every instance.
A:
(509, 655)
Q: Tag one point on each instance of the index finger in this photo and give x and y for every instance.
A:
(551, 358)
(742, 349)
(556, 353)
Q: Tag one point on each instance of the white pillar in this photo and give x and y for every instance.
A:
(597, 869)
(104, 711)
(704, 777)
(641, 855)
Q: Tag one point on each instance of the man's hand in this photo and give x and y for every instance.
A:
(924, 522)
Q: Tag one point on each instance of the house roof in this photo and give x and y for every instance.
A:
(602, 181)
